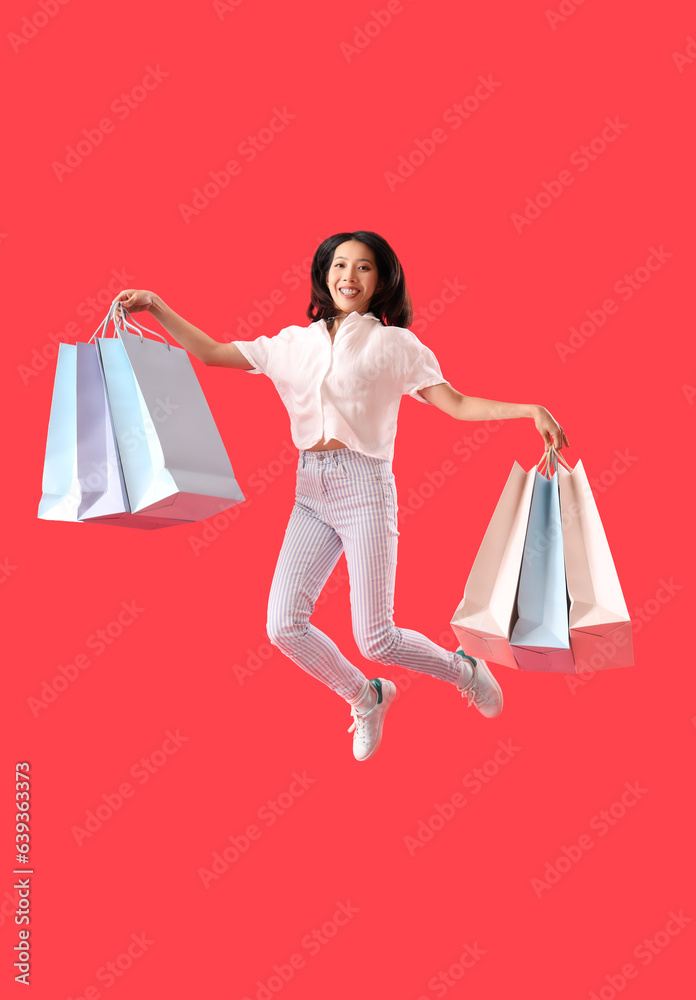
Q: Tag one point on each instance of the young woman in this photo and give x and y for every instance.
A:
(341, 379)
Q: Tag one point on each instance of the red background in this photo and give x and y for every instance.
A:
(628, 387)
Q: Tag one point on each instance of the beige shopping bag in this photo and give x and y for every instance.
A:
(483, 621)
(600, 627)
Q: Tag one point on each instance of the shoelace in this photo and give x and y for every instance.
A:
(468, 690)
(474, 696)
(470, 696)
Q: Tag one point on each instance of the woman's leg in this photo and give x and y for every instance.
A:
(310, 550)
(368, 529)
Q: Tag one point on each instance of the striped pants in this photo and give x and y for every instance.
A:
(345, 502)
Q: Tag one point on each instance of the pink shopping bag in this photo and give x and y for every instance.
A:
(600, 626)
(483, 620)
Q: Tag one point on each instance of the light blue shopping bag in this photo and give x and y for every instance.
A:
(540, 638)
(60, 497)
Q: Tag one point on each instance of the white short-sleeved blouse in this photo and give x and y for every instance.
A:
(349, 390)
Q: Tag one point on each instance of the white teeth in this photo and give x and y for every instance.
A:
(347, 291)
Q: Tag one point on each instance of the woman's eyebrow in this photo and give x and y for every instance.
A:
(366, 259)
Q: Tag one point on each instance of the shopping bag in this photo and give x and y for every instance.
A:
(102, 489)
(82, 480)
(60, 497)
(600, 626)
(483, 619)
(103, 496)
(174, 463)
(540, 637)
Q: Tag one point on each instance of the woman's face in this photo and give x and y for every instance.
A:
(352, 277)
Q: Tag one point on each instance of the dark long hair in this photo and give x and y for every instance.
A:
(391, 303)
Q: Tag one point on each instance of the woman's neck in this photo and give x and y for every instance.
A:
(333, 322)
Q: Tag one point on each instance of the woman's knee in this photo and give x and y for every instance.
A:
(377, 645)
(283, 629)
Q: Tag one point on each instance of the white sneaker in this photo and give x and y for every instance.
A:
(483, 690)
(368, 725)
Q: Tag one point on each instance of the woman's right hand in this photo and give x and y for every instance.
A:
(137, 300)
(550, 430)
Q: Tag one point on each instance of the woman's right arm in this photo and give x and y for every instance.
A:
(193, 340)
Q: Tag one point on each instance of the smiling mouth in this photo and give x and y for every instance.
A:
(349, 293)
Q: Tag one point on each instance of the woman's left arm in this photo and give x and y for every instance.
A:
(461, 407)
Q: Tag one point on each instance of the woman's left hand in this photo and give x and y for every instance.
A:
(550, 430)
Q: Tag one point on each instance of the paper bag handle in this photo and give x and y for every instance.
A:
(128, 323)
(552, 457)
